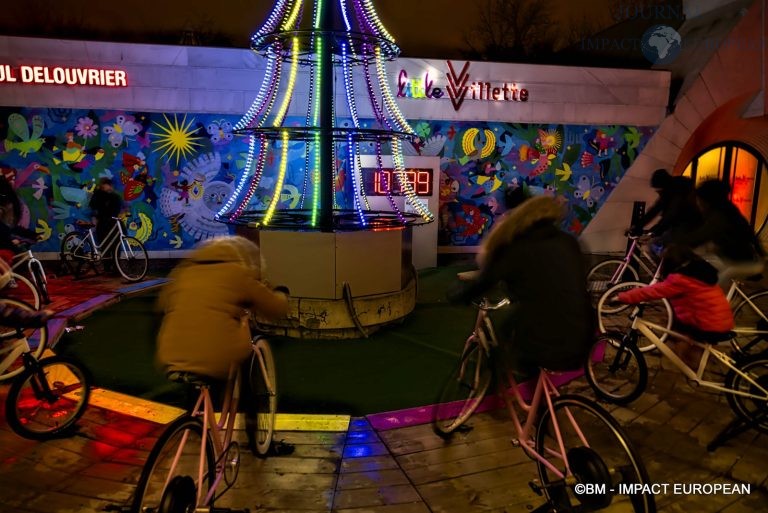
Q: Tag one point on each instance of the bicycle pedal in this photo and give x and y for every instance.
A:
(464, 428)
(536, 487)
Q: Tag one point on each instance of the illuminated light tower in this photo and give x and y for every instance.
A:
(324, 106)
(341, 35)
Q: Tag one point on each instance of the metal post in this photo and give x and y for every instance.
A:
(326, 118)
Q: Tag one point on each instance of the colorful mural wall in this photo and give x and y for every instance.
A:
(579, 165)
(175, 171)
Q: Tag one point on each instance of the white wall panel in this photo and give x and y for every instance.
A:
(558, 94)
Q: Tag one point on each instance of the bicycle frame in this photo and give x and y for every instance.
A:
(631, 256)
(19, 347)
(113, 236)
(734, 292)
(25, 257)
(486, 336)
(647, 329)
(226, 424)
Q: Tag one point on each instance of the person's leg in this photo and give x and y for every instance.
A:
(683, 348)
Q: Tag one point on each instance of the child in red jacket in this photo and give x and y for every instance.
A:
(689, 283)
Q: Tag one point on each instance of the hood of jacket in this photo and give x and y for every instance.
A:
(520, 219)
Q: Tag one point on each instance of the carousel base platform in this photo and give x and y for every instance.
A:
(342, 284)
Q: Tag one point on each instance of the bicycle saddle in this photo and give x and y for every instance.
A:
(84, 224)
(190, 378)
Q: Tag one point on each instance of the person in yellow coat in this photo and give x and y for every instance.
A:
(206, 307)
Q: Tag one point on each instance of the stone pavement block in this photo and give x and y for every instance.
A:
(97, 488)
(55, 502)
(705, 432)
(753, 466)
(118, 472)
(660, 413)
(624, 415)
(644, 403)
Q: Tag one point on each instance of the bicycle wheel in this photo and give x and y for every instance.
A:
(606, 274)
(40, 281)
(260, 419)
(750, 409)
(598, 453)
(750, 318)
(616, 374)
(13, 344)
(463, 391)
(613, 319)
(45, 402)
(131, 259)
(181, 441)
(21, 289)
(76, 252)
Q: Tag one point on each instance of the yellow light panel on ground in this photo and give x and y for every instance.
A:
(163, 413)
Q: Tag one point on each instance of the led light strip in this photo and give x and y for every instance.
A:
(380, 166)
(410, 195)
(280, 179)
(274, 68)
(288, 24)
(278, 12)
(263, 149)
(278, 78)
(260, 101)
(291, 84)
(243, 179)
(359, 169)
(352, 156)
(351, 159)
(392, 107)
(373, 20)
(362, 19)
(343, 7)
(307, 122)
(315, 120)
(397, 151)
(377, 112)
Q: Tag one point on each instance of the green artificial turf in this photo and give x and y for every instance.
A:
(399, 366)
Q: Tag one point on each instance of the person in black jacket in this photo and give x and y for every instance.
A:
(105, 205)
(551, 322)
(675, 209)
(725, 239)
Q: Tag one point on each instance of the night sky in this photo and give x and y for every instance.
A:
(422, 28)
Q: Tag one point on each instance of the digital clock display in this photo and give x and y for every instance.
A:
(380, 182)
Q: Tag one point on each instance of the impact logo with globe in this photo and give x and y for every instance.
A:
(661, 44)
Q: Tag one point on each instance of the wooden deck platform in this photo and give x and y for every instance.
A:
(378, 467)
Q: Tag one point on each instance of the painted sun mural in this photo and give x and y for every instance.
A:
(175, 171)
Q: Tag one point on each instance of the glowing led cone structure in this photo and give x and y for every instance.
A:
(303, 171)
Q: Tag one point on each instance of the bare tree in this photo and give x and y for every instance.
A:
(509, 30)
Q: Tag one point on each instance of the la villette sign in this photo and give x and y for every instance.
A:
(458, 88)
(62, 75)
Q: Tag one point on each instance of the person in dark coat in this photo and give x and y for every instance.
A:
(105, 205)
(675, 209)
(551, 323)
(725, 239)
